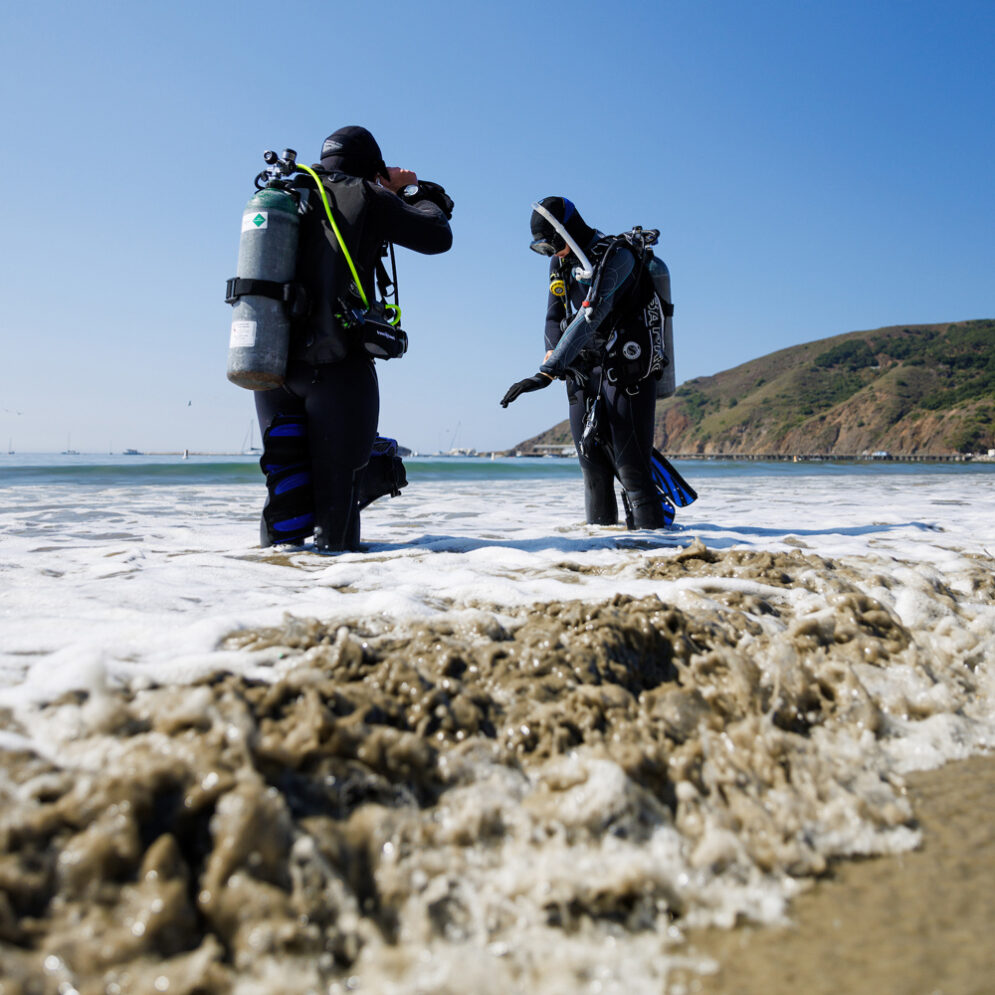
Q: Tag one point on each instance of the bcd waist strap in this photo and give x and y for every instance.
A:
(292, 294)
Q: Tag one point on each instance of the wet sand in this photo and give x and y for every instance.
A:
(541, 802)
(919, 922)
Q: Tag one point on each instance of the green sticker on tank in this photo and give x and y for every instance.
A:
(257, 220)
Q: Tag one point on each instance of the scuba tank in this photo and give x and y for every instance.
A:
(660, 276)
(262, 291)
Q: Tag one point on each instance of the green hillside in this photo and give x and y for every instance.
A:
(910, 390)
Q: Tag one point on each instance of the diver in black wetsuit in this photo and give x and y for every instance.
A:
(327, 410)
(619, 442)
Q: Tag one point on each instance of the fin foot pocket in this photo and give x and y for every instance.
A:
(384, 473)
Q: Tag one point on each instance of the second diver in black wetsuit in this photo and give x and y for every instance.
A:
(320, 426)
(618, 441)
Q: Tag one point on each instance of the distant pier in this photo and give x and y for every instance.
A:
(835, 457)
(882, 456)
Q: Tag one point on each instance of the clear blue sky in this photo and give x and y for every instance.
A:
(815, 168)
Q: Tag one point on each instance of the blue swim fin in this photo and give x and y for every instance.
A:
(671, 483)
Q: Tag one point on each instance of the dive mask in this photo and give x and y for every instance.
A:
(545, 247)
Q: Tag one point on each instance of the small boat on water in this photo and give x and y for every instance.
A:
(249, 448)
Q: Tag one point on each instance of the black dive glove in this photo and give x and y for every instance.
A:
(427, 190)
(537, 382)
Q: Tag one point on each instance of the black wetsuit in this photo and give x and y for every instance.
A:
(331, 384)
(624, 420)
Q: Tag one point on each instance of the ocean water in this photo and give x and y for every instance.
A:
(498, 750)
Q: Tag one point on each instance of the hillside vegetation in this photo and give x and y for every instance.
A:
(908, 390)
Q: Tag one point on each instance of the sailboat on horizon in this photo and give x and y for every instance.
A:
(249, 448)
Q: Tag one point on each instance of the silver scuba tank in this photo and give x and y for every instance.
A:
(267, 258)
(660, 275)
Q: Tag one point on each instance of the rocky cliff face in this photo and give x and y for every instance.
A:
(909, 390)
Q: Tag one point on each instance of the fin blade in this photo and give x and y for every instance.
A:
(673, 485)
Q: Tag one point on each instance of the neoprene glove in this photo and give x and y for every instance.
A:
(537, 382)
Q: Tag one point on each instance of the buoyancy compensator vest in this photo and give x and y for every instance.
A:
(343, 317)
(635, 346)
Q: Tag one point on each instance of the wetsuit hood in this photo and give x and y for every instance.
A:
(567, 214)
(354, 151)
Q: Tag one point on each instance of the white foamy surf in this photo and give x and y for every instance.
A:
(132, 579)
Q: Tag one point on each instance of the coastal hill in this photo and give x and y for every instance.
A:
(909, 390)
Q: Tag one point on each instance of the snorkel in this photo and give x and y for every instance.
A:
(586, 270)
